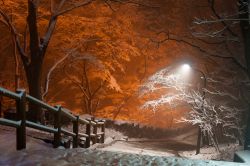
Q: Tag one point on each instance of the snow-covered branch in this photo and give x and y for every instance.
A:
(213, 106)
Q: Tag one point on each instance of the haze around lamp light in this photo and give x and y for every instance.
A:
(185, 69)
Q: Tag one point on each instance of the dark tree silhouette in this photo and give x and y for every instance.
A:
(33, 57)
(227, 21)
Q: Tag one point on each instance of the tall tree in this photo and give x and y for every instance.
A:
(223, 28)
(32, 56)
(33, 46)
(244, 15)
(214, 100)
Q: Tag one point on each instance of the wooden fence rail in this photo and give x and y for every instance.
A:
(21, 101)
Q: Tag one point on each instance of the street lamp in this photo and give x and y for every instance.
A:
(186, 68)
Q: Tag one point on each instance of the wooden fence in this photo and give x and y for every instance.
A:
(21, 123)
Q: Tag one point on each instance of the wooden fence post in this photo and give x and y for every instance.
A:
(57, 125)
(21, 112)
(75, 130)
(94, 140)
(88, 132)
(103, 130)
(95, 133)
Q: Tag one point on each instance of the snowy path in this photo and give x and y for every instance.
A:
(171, 148)
(165, 147)
(40, 153)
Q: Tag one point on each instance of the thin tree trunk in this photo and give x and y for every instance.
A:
(198, 145)
(216, 143)
(17, 73)
(90, 106)
(205, 140)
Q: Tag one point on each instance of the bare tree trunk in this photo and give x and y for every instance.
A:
(198, 145)
(17, 73)
(34, 68)
(216, 143)
(89, 106)
(35, 112)
(205, 139)
(119, 108)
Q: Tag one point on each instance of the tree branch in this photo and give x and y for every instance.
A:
(97, 89)
(53, 21)
(73, 7)
(47, 80)
(200, 21)
(135, 3)
(51, 27)
(78, 84)
(8, 23)
(171, 37)
(86, 79)
(212, 2)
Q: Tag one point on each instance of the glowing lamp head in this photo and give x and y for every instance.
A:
(185, 68)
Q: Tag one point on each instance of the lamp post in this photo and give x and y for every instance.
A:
(185, 68)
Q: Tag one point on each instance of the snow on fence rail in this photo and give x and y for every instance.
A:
(21, 100)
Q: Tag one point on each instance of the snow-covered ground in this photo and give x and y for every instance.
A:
(180, 145)
(117, 150)
(172, 148)
(94, 157)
